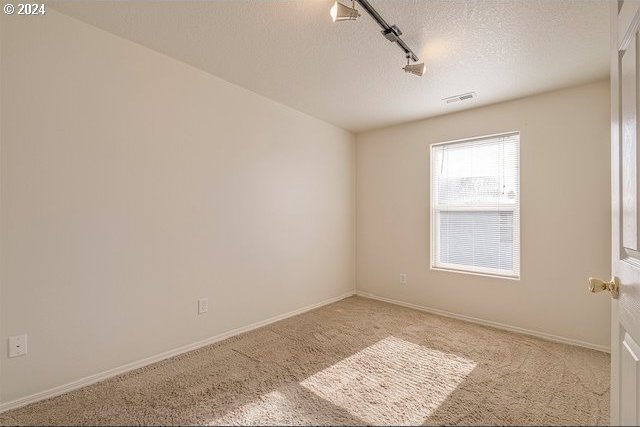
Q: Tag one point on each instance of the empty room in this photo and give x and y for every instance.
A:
(319, 212)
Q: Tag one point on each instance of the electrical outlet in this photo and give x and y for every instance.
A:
(18, 345)
(403, 278)
(203, 305)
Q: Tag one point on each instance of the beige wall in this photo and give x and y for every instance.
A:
(565, 214)
(133, 184)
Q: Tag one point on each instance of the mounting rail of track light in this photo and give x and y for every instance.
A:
(341, 12)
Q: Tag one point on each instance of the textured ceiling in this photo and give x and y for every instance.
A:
(347, 73)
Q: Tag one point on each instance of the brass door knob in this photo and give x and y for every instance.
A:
(597, 285)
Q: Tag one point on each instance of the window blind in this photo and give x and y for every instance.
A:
(475, 205)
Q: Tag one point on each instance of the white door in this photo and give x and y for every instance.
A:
(625, 168)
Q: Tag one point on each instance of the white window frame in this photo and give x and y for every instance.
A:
(434, 212)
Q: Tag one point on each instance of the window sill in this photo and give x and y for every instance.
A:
(477, 273)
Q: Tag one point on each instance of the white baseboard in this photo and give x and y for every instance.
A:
(83, 382)
(538, 334)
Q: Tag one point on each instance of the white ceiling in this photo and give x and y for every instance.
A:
(347, 73)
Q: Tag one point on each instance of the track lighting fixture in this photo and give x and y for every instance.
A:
(417, 69)
(340, 12)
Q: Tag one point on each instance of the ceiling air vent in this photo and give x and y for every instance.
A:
(459, 98)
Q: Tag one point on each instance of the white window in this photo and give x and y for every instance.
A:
(475, 205)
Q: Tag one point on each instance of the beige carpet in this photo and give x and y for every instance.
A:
(357, 361)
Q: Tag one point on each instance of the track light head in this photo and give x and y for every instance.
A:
(417, 69)
(340, 12)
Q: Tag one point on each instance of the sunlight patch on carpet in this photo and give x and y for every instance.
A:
(393, 382)
(272, 406)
